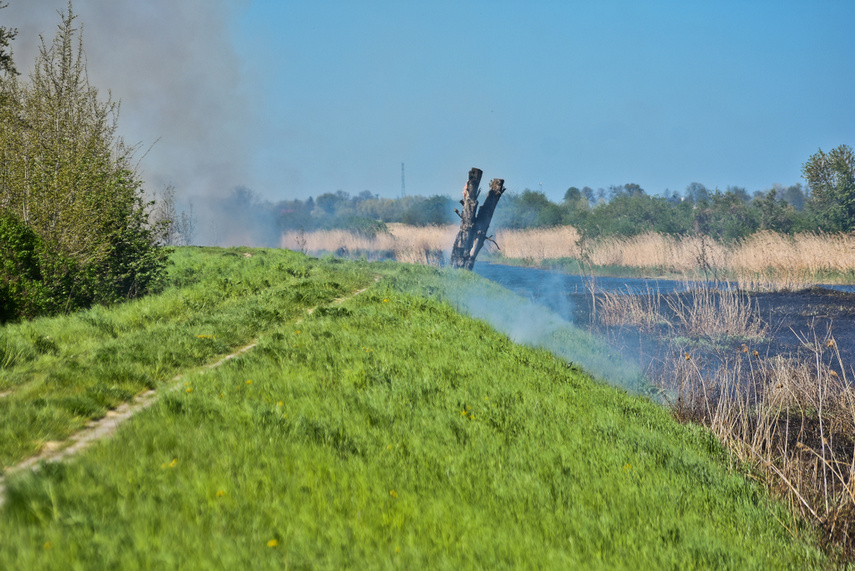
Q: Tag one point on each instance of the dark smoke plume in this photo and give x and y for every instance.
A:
(178, 77)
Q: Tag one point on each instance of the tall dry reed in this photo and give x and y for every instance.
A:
(539, 243)
(409, 244)
(763, 261)
(790, 417)
(766, 260)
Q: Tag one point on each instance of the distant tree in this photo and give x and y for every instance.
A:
(172, 228)
(630, 215)
(795, 196)
(616, 191)
(329, 202)
(774, 213)
(672, 196)
(739, 192)
(573, 194)
(697, 193)
(831, 180)
(530, 209)
(7, 66)
(433, 211)
(633, 189)
(726, 216)
(588, 193)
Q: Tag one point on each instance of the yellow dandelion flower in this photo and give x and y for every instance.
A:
(385, 301)
(297, 332)
(221, 493)
(389, 447)
(393, 493)
(280, 403)
(249, 381)
(189, 390)
(173, 464)
(273, 543)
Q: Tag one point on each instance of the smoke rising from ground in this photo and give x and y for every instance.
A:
(175, 70)
(537, 325)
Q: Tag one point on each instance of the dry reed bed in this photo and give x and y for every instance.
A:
(409, 244)
(539, 243)
(763, 261)
(791, 418)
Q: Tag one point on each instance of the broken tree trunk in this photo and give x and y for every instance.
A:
(474, 222)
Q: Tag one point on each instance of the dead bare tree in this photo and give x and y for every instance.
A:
(474, 222)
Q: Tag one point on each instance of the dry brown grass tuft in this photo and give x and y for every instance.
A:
(642, 311)
(540, 243)
(768, 260)
(409, 244)
(792, 419)
(658, 253)
(705, 311)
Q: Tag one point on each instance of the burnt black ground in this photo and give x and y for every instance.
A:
(810, 314)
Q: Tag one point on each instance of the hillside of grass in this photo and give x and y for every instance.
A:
(385, 430)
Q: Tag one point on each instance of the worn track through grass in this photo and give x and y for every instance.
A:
(97, 430)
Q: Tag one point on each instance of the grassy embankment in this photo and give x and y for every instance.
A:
(766, 260)
(387, 430)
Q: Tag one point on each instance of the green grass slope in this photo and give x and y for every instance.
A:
(391, 431)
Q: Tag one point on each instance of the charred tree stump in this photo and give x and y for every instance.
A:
(474, 222)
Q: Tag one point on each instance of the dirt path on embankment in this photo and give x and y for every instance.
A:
(102, 428)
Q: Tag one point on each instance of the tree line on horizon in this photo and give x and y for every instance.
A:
(825, 204)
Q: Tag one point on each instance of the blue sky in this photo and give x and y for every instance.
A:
(558, 93)
(296, 98)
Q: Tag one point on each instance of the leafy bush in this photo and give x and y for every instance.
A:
(74, 217)
(33, 279)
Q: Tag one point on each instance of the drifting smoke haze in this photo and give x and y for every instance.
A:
(539, 324)
(174, 69)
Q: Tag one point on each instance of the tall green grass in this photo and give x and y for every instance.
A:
(59, 373)
(392, 431)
